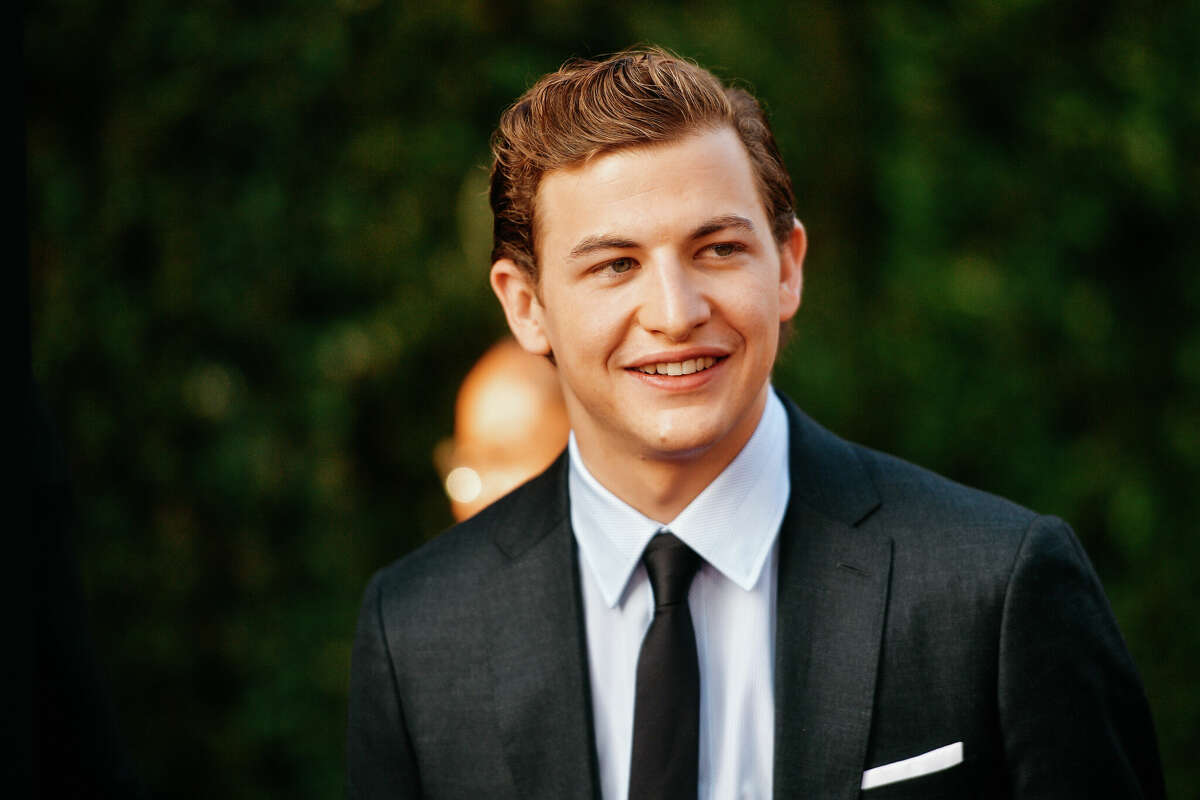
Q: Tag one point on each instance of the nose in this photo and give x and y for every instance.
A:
(675, 303)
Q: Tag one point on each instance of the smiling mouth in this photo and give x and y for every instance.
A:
(678, 367)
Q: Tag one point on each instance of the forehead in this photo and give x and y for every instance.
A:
(648, 192)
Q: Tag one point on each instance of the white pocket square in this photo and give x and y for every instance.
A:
(915, 767)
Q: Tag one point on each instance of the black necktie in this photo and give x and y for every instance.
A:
(666, 709)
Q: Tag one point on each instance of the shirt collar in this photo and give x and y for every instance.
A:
(731, 524)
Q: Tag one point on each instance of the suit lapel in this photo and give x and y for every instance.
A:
(832, 598)
(538, 654)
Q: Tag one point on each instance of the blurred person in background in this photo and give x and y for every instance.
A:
(509, 425)
(709, 595)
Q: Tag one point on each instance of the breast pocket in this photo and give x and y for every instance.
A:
(937, 773)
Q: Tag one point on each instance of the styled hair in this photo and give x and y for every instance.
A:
(587, 108)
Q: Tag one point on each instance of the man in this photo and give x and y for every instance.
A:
(709, 594)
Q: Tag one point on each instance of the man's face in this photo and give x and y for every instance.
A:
(661, 294)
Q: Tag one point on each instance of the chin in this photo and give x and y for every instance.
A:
(681, 441)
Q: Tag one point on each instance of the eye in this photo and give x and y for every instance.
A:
(725, 249)
(620, 265)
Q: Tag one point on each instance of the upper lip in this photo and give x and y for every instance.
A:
(677, 355)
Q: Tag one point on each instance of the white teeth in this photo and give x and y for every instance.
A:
(679, 367)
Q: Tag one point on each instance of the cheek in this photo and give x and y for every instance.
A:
(586, 323)
(752, 307)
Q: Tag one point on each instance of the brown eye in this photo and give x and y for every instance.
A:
(724, 250)
(621, 265)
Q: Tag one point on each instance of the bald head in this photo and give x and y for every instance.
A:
(509, 425)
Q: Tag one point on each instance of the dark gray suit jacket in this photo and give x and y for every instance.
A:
(912, 613)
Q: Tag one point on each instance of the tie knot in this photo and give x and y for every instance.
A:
(671, 565)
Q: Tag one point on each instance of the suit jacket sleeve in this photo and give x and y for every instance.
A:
(380, 760)
(1073, 713)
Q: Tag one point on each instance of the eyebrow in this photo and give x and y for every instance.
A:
(590, 244)
(722, 223)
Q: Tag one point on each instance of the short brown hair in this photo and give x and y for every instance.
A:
(636, 97)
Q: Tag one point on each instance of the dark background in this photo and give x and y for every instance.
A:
(258, 251)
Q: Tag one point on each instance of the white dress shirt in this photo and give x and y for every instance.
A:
(734, 525)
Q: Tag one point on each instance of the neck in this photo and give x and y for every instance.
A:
(661, 485)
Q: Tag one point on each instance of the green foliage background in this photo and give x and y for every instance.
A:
(259, 248)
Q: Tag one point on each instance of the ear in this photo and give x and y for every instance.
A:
(791, 271)
(522, 308)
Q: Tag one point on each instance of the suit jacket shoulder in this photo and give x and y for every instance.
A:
(441, 579)
(984, 624)
(848, 479)
(468, 675)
